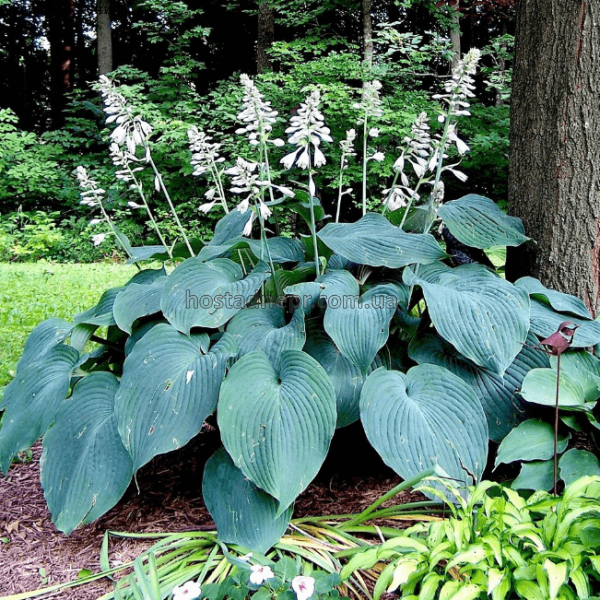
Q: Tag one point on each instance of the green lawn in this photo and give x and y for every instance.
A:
(31, 293)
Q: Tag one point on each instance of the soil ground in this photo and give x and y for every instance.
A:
(34, 554)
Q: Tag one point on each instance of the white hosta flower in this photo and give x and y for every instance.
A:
(399, 164)
(307, 130)
(347, 145)
(187, 591)
(374, 132)
(304, 587)
(395, 198)
(458, 174)
(257, 115)
(371, 102)
(438, 192)
(260, 574)
(204, 153)
(92, 193)
(378, 156)
(95, 222)
(248, 227)
(265, 211)
(98, 238)
(205, 208)
(135, 205)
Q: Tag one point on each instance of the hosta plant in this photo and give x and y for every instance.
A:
(286, 339)
(498, 545)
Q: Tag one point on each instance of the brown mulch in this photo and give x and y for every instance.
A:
(34, 554)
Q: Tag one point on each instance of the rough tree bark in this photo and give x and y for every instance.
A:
(555, 145)
(61, 36)
(367, 6)
(266, 34)
(455, 35)
(104, 37)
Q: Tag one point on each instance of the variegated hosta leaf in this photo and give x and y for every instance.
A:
(426, 417)
(478, 222)
(484, 317)
(32, 399)
(499, 396)
(243, 513)
(276, 424)
(374, 241)
(170, 384)
(85, 467)
(199, 294)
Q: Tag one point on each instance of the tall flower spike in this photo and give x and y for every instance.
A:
(371, 101)
(307, 130)
(257, 115)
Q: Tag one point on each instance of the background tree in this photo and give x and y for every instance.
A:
(555, 145)
(104, 38)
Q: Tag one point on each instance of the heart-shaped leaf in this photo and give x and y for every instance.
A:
(42, 339)
(199, 294)
(499, 396)
(478, 222)
(264, 328)
(539, 387)
(85, 467)
(170, 384)
(32, 399)
(277, 424)
(428, 416)
(560, 302)
(243, 513)
(137, 300)
(484, 317)
(582, 367)
(230, 226)
(576, 463)
(374, 241)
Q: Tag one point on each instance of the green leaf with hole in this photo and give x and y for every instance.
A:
(424, 418)
(374, 241)
(85, 467)
(208, 294)
(170, 384)
(277, 424)
(484, 317)
(243, 513)
(478, 222)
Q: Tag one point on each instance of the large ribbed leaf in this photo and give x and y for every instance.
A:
(544, 322)
(484, 317)
(478, 222)
(102, 313)
(576, 463)
(428, 416)
(374, 241)
(360, 328)
(282, 250)
(42, 339)
(560, 302)
(346, 377)
(243, 513)
(582, 367)
(199, 294)
(539, 387)
(230, 226)
(137, 300)
(147, 276)
(264, 328)
(170, 384)
(85, 467)
(32, 399)
(277, 424)
(499, 396)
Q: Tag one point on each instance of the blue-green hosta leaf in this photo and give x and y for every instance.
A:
(346, 377)
(137, 300)
(575, 464)
(264, 328)
(536, 475)
(498, 395)
(539, 387)
(32, 399)
(243, 513)
(102, 313)
(277, 424)
(564, 303)
(230, 226)
(170, 384)
(374, 241)
(582, 367)
(428, 416)
(81, 335)
(531, 440)
(282, 250)
(147, 276)
(484, 317)
(360, 328)
(42, 339)
(544, 322)
(478, 222)
(147, 253)
(85, 467)
(306, 295)
(199, 294)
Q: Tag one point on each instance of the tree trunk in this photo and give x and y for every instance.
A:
(555, 145)
(61, 36)
(367, 33)
(266, 34)
(455, 36)
(104, 37)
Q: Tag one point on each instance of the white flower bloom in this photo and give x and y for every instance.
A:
(260, 574)
(248, 228)
(458, 174)
(187, 591)
(265, 211)
(399, 164)
(319, 158)
(135, 204)
(257, 114)
(95, 222)
(205, 208)
(371, 102)
(374, 132)
(98, 238)
(378, 156)
(303, 586)
(347, 145)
